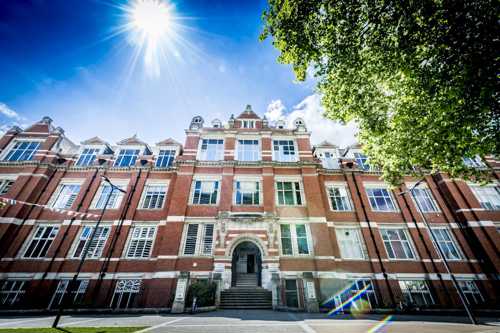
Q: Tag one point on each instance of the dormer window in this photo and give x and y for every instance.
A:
(473, 162)
(247, 123)
(126, 157)
(22, 151)
(362, 161)
(216, 123)
(165, 158)
(87, 157)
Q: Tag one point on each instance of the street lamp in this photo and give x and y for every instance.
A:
(441, 253)
(73, 281)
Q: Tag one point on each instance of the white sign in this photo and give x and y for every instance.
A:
(181, 289)
(219, 267)
(311, 292)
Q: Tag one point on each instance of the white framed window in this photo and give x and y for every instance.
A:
(96, 246)
(88, 156)
(350, 243)
(5, 185)
(473, 162)
(22, 151)
(77, 293)
(125, 293)
(488, 196)
(165, 158)
(381, 199)
(12, 291)
(330, 160)
(153, 196)
(446, 243)
(339, 197)
(247, 192)
(352, 289)
(471, 291)
(247, 123)
(205, 192)
(126, 157)
(248, 150)
(295, 239)
(397, 243)
(416, 292)
(289, 193)
(103, 193)
(40, 242)
(65, 195)
(362, 161)
(211, 150)
(284, 151)
(198, 239)
(423, 198)
(141, 242)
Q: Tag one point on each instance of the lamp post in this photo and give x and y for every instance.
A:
(441, 253)
(72, 283)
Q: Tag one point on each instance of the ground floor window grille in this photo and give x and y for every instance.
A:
(125, 293)
(77, 293)
(471, 292)
(416, 292)
(12, 292)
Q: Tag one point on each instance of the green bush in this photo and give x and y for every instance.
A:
(204, 291)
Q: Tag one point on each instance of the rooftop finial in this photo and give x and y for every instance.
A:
(248, 108)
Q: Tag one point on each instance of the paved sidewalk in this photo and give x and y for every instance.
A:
(262, 321)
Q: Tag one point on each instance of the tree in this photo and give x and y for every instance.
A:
(420, 78)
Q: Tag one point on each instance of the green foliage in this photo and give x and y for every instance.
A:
(420, 78)
(73, 330)
(204, 290)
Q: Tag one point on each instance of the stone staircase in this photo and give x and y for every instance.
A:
(246, 295)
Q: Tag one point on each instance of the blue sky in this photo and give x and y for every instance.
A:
(60, 58)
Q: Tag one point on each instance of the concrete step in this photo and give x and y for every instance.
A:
(246, 298)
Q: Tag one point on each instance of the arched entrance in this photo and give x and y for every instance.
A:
(246, 265)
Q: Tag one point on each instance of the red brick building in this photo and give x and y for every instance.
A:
(248, 204)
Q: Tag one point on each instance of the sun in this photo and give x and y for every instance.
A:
(152, 18)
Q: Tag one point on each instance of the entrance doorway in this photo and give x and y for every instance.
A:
(246, 265)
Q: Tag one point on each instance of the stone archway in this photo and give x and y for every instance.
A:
(246, 265)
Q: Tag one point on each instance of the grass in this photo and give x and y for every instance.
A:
(72, 330)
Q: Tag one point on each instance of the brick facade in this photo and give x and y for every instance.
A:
(305, 209)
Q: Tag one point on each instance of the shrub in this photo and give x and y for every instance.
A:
(204, 291)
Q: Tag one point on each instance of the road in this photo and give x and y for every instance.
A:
(261, 321)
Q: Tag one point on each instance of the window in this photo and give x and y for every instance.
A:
(488, 196)
(126, 157)
(416, 292)
(473, 162)
(446, 243)
(65, 196)
(22, 151)
(5, 185)
(205, 192)
(199, 239)
(291, 296)
(247, 123)
(361, 161)
(289, 193)
(381, 200)
(339, 198)
(294, 239)
(153, 196)
(141, 242)
(41, 241)
(114, 200)
(87, 157)
(330, 161)
(350, 243)
(125, 293)
(96, 246)
(165, 158)
(423, 198)
(352, 289)
(212, 150)
(248, 150)
(12, 291)
(76, 294)
(397, 244)
(247, 193)
(284, 151)
(471, 292)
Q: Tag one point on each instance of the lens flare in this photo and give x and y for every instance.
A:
(349, 301)
(381, 324)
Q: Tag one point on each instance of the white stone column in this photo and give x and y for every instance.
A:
(180, 293)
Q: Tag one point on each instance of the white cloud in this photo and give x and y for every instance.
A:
(8, 112)
(311, 111)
